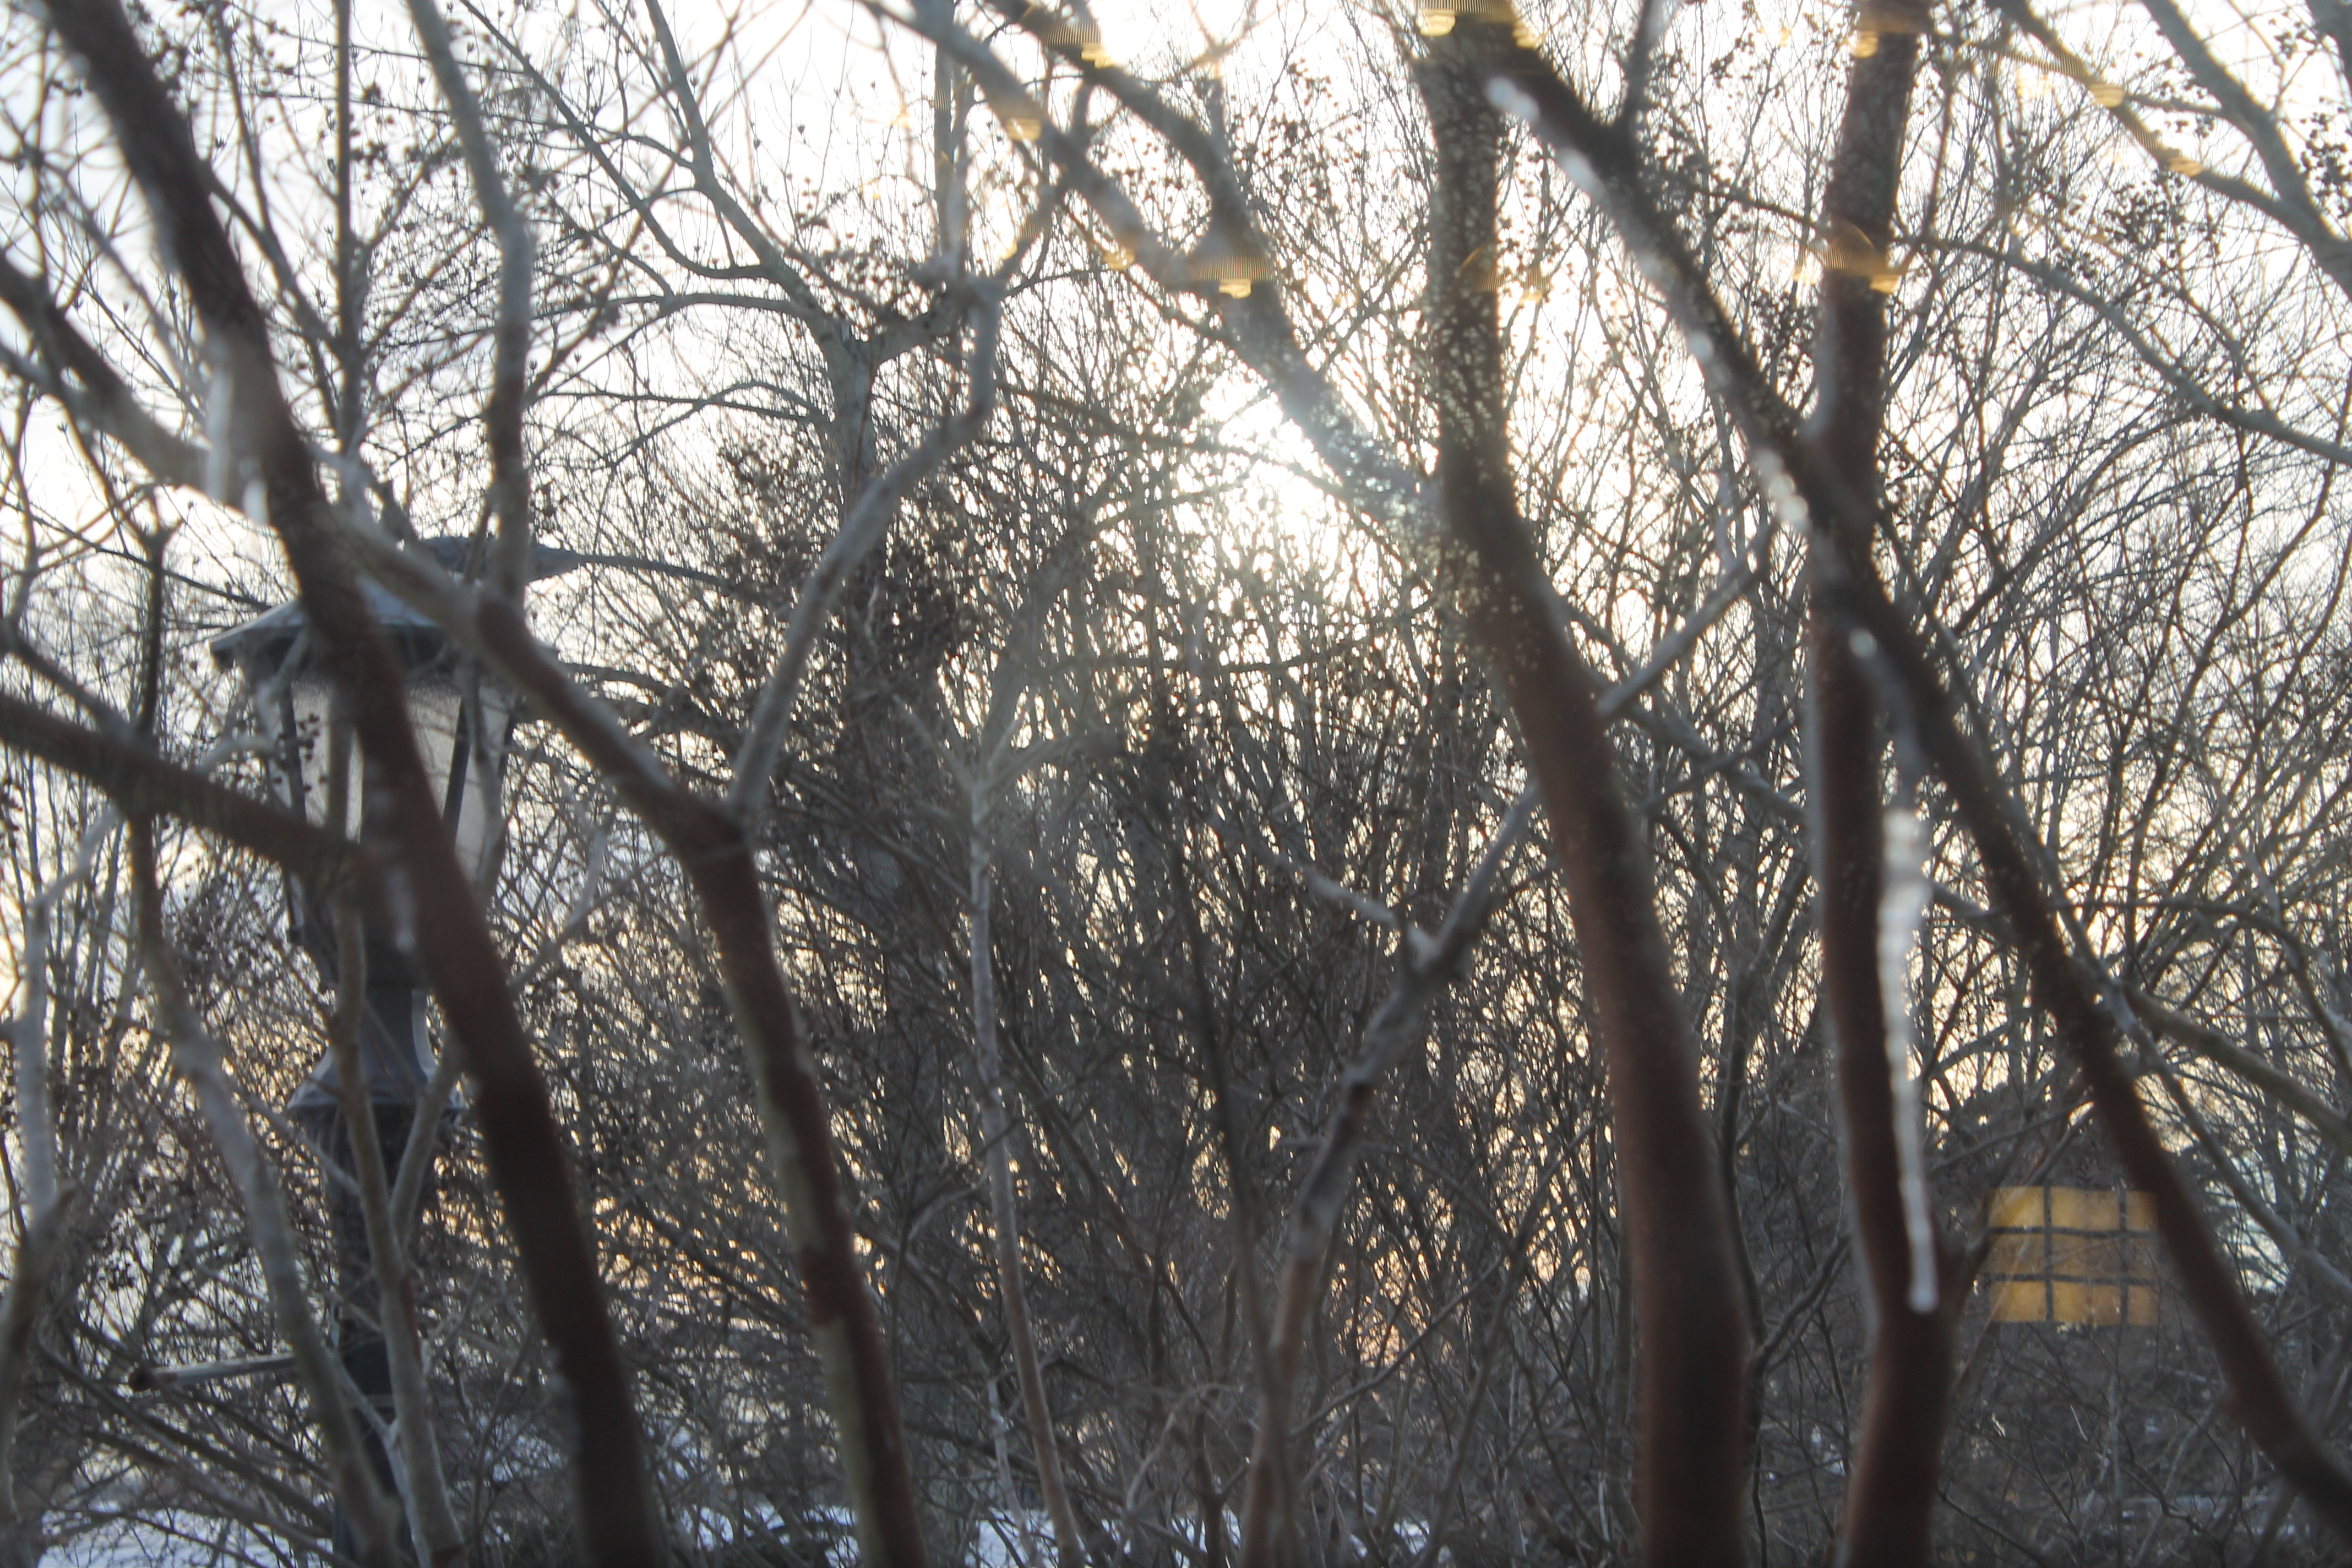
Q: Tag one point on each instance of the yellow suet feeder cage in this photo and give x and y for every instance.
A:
(2073, 1255)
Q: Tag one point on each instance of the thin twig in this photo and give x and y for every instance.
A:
(431, 1520)
(1004, 1213)
(198, 1058)
(510, 354)
(869, 518)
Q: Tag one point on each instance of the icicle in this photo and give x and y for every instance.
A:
(1787, 506)
(1513, 100)
(400, 899)
(1902, 905)
(219, 429)
(591, 884)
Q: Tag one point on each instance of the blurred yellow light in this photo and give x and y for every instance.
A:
(1863, 44)
(2106, 94)
(1436, 21)
(1890, 16)
(1848, 250)
(1478, 274)
(2083, 1257)
(1229, 256)
(2015, 1254)
(2182, 164)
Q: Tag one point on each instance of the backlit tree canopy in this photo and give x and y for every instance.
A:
(1304, 783)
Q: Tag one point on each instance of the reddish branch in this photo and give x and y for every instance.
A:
(2220, 1049)
(709, 839)
(2259, 1396)
(712, 845)
(1691, 1439)
(197, 1055)
(1004, 1213)
(526, 1151)
(1427, 965)
(1890, 1497)
(95, 391)
(842, 1318)
(20, 1317)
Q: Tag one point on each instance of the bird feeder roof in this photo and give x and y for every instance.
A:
(263, 643)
